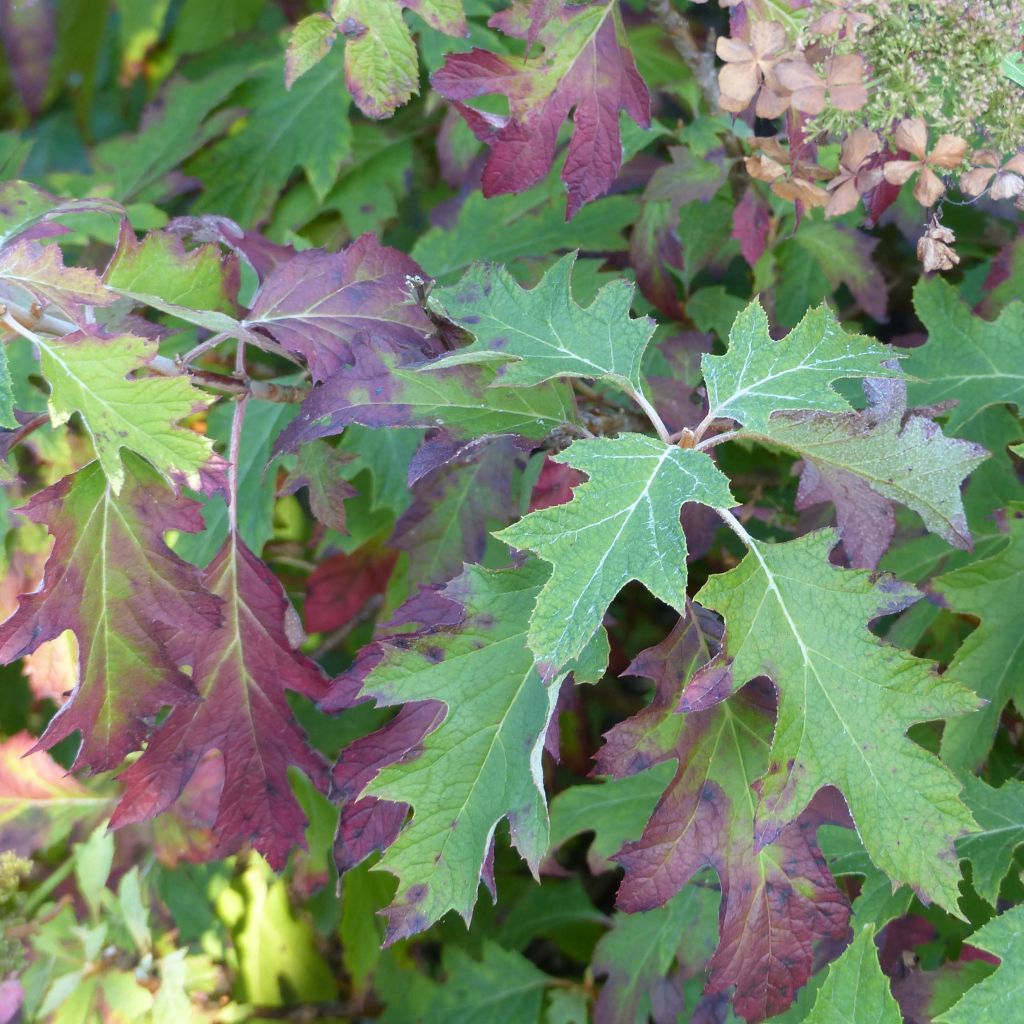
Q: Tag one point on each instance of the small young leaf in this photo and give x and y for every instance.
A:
(622, 525)
(311, 40)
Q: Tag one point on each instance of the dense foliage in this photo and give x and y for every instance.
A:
(452, 441)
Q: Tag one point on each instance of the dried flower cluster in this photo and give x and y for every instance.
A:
(914, 91)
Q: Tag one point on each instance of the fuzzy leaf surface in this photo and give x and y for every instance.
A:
(855, 990)
(991, 660)
(977, 362)
(482, 763)
(112, 581)
(845, 703)
(241, 672)
(898, 456)
(759, 376)
(622, 525)
(996, 997)
(541, 332)
(88, 373)
(586, 66)
(377, 392)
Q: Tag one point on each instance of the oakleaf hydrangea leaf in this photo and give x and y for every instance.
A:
(381, 69)
(541, 332)
(1000, 813)
(991, 660)
(777, 901)
(759, 376)
(855, 990)
(586, 66)
(997, 997)
(326, 306)
(482, 763)
(112, 581)
(974, 361)
(622, 525)
(377, 392)
(901, 457)
(241, 671)
(846, 701)
(89, 373)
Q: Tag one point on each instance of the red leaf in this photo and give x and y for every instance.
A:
(241, 671)
(586, 66)
(339, 588)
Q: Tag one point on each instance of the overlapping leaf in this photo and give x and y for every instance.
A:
(882, 452)
(90, 373)
(112, 581)
(241, 672)
(845, 703)
(39, 271)
(377, 392)
(991, 660)
(1000, 813)
(586, 66)
(777, 901)
(541, 332)
(482, 763)
(759, 376)
(622, 525)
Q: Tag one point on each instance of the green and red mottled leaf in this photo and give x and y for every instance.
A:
(777, 900)
(846, 701)
(318, 469)
(136, 609)
(586, 66)
(241, 672)
(39, 272)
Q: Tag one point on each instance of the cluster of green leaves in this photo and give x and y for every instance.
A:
(429, 460)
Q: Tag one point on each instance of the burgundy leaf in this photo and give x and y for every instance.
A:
(342, 585)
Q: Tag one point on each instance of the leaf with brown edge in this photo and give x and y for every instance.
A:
(587, 67)
(134, 606)
(40, 803)
(39, 271)
(241, 672)
(777, 901)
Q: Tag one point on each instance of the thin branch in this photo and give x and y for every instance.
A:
(710, 442)
(700, 61)
(235, 446)
(737, 527)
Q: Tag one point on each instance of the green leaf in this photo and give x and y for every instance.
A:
(89, 374)
(759, 376)
(541, 333)
(311, 40)
(845, 704)
(622, 525)
(305, 127)
(856, 991)
(997, 997)
(991, 660)
(503, 986)
(974, 361)
(905, 458)
(1000, 813)
(1012, 65)
(482, 763)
